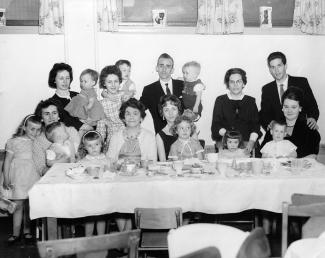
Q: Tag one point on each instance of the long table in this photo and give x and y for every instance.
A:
(59, 196)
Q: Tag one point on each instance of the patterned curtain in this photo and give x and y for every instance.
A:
(108, 15)
(51, 17)
(309, 16)
(220, 17)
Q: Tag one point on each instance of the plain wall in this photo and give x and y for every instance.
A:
(25, 60)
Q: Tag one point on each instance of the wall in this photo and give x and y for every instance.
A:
(25, 61)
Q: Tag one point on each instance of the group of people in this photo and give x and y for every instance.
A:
(77, 127)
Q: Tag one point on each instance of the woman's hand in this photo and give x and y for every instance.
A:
(312, 124)
(250, 146)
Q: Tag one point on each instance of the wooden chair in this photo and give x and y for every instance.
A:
(154, 225)
(95, 246)
(303, 205)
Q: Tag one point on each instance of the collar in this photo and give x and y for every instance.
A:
(63, 94)
(163, 84)
(240, 97)
(284, 83)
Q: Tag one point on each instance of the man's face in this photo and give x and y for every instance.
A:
(165, 68)
(277, 69)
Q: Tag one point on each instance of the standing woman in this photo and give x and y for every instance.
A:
(236, 111)
(169, 108)
(297, 131)
(60, 78)
(50, 112)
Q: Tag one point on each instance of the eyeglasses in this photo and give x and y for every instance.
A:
(238, 82)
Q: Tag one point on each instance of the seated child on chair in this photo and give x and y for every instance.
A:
(232, 143)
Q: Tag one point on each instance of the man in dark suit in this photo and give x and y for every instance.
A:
(271, 106)
(152, 93)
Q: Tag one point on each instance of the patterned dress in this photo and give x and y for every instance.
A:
(112, 123)
(22, 172)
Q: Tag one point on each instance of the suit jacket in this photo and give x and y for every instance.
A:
(151, 95)
(271, 107)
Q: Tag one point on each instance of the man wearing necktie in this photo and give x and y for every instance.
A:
(152, 93)
(271, 104)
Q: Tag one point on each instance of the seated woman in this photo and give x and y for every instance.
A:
(297, 131)
(132, 142)
(50, 112)
(169, 108)
(236, 111)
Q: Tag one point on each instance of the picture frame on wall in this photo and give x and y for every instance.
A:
(266, 17)
(159, 18)
(2, 17)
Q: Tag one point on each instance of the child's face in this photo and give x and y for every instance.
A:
(190, 73)
(93, 147)
(86, 82)
(236, 84)
(132, 117)
(278, 132)
(112, 83)
(232, 144)
(32, 130)
(60, 134)
(125, 70)
(184, 130)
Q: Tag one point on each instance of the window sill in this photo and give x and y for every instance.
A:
(18, 29)
(191, 30)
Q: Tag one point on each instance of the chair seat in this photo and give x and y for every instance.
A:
(154, 239)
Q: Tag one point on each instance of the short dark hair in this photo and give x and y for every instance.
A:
(232, 71)
(278, 122)
(293, 93)
(50, 128)
(107, 70)
(233, 134)
(89, 136)
(93, 74)
(173, 100)
(166, 56)
(133, 103)
(57, 67)
(122, 62)
(276, 55)
(45, 104)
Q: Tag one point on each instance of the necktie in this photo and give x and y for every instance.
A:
(281, 91)
(168, 90)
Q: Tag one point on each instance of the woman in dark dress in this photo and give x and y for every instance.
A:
(236, 111)
(60, 78)
(306, 140)
(169, 108)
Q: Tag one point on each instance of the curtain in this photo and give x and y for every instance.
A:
(309, 16)
(220, 17)
(51, 17)
(108, 15)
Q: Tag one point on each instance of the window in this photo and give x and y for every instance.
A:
(21, 12)
(139, 12)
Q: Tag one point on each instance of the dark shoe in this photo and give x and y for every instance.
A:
(12, 240)
(28, 238)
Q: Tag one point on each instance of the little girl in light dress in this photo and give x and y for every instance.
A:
(20, 174)
(61, 144)
(278, 147)
(91, 154)
(85, 105)
(185, 147)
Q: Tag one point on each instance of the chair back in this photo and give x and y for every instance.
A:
(303, 205)
(161, 218)
(95, 246)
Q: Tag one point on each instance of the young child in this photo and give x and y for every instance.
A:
(20, 174)
(91, 154)
(61, 144)
(193, 88)
(185, 146)
(232, 143)
(278, 147)
(85, 105)
(127, 86)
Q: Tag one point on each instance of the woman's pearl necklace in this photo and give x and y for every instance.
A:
(132, 134)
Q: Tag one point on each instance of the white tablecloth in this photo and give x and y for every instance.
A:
(57, 195)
